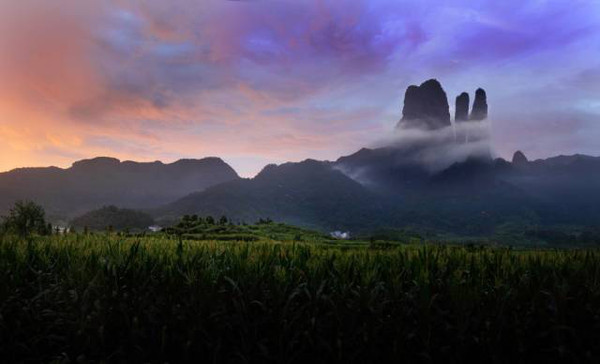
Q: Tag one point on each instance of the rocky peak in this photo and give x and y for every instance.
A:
(480, 106)
(425, 107)
(462, 107)
(519, 158)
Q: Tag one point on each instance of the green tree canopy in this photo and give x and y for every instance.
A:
(25, 218)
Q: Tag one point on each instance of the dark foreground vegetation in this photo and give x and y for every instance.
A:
(208, 228)
(102, 297)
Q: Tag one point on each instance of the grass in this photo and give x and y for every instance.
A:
(156, 299)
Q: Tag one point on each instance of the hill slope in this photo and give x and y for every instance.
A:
(97, 182)
(372, 191)
(309, 193)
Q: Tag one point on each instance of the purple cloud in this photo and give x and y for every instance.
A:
(246, 78)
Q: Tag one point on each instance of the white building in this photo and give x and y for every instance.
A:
(340, 234)
(154, 228)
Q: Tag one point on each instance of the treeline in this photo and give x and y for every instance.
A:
(113, 218)
(194, 227)
(193, 221)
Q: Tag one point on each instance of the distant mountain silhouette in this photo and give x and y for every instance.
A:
(473, 197)
(519, 159)
(434, 178)
(480, 106)
(93, 183)
(461, 108)
(569, 186)
(389, 169)
(309, 193)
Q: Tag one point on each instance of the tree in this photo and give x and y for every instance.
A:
(210, 220)
(25, 218)
(223, 220)
(119, 219)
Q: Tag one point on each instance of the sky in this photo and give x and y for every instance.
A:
(268, 81)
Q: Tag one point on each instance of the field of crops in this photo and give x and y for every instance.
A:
(76, 298)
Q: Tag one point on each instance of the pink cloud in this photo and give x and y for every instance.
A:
(268, 80)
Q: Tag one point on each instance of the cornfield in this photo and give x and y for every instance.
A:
(95, 298)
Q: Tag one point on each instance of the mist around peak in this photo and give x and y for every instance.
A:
(436, 150)
(425, 141)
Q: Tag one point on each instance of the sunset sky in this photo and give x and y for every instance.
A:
(257, 82)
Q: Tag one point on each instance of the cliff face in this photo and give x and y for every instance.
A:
(466, 132)
(461, 112)
(480, 106)
(425, 107)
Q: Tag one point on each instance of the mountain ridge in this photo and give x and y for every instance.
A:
(434, 175)
(96, 182)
